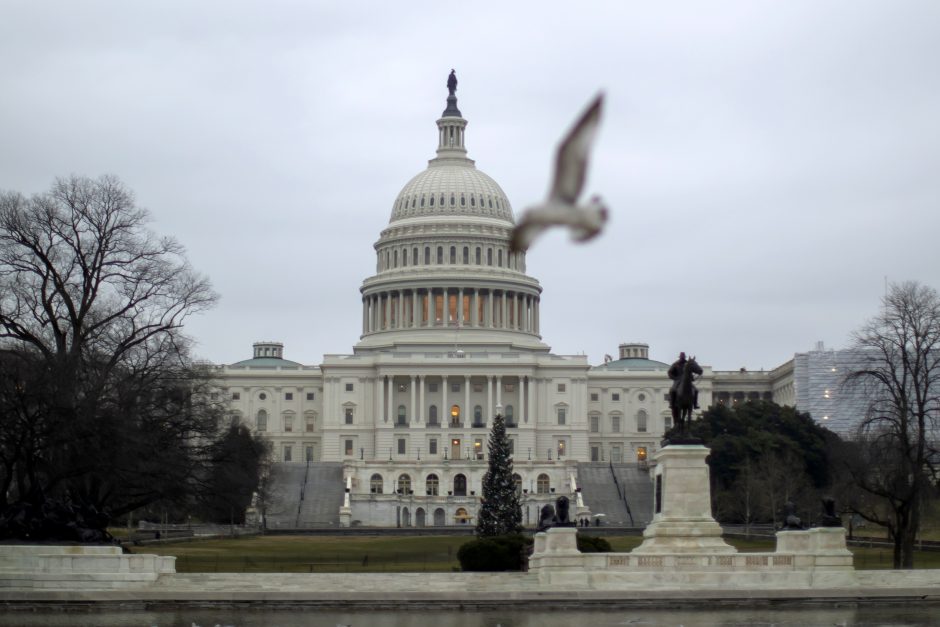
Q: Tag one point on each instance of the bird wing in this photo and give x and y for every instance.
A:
(528, 228)
(571, 160)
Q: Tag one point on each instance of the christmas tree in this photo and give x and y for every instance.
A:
(500, 511)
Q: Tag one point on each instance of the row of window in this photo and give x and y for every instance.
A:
(432, 484)
(405, 256)
(288, 396)
(642, 422)
(402, 415)
(416, 201)
(615, 396)
(309, 422)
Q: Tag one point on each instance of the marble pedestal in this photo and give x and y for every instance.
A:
(682, 520)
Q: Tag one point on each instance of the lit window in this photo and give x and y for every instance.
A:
(478, 448)
(561, 449)
(641, 454)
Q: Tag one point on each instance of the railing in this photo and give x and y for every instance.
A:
(622, 493)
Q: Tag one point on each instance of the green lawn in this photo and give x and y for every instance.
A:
(396, 554)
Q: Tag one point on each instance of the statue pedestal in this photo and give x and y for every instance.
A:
(682, 520)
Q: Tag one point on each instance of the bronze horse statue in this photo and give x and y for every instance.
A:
(683, 400)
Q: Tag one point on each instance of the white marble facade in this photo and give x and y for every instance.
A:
(450, 331)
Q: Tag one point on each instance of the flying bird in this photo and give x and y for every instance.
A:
(559, 209)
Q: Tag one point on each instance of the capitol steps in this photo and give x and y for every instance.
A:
(630, 505)
(305, 495)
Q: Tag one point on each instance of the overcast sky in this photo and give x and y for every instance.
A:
(783, 156)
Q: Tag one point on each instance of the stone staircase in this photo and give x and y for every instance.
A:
(626, 502)
(306, 495)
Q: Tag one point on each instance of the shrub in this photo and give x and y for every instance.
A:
(593, 544)
(499, 553)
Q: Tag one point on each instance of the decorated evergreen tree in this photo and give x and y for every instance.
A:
(500, 510)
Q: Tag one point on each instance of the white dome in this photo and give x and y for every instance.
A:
(452, 188)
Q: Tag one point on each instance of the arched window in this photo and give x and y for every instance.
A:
(462, 516)
(404, 484)
(455, 415)
(460, 485)
(489, 256)
(432, 485)
(404, 257)
(432, 200)
(414, 255)
(517, 481)
(442, 200)
(508, 415)
(375, 484)
(422, 200)
(261, 421)
(477, 416)
(395, 259)
(466, 255)
(414, 201)
(473, 202)
(427, 255)
(499, 258)
(453, 254)
(440, 254)
(432, 415)
(463, 201)
(479, 258)
(401, 420)
(542, 484)
(453, 200)
(641, 421)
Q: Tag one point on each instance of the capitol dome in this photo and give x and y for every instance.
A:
(443, 262)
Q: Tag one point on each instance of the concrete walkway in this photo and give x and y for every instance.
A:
(466, 590)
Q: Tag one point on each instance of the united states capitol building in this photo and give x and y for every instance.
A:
(395, 432)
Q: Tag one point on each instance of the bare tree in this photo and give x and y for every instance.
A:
(895, 463)
(102, 397)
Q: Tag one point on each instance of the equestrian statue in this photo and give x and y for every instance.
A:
(683, 397)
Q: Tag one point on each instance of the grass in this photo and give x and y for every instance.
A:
(294, 554)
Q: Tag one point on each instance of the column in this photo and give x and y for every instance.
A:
(415, 320)
(535, 316)
(421, 384)
(445, 310)
(388, 407)
(429, 307)
(400, 318)
(531, 408)
(504, 308)
(388, 310)
(489, 309)
(365, 309)
(446, 408)
(499, 390)
(414, 408)
(381, 384)
(460, 320)
(516, 303)
(475, 315)
(489, 393)
(466, 394)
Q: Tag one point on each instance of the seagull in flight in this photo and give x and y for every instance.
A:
(559, 209)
